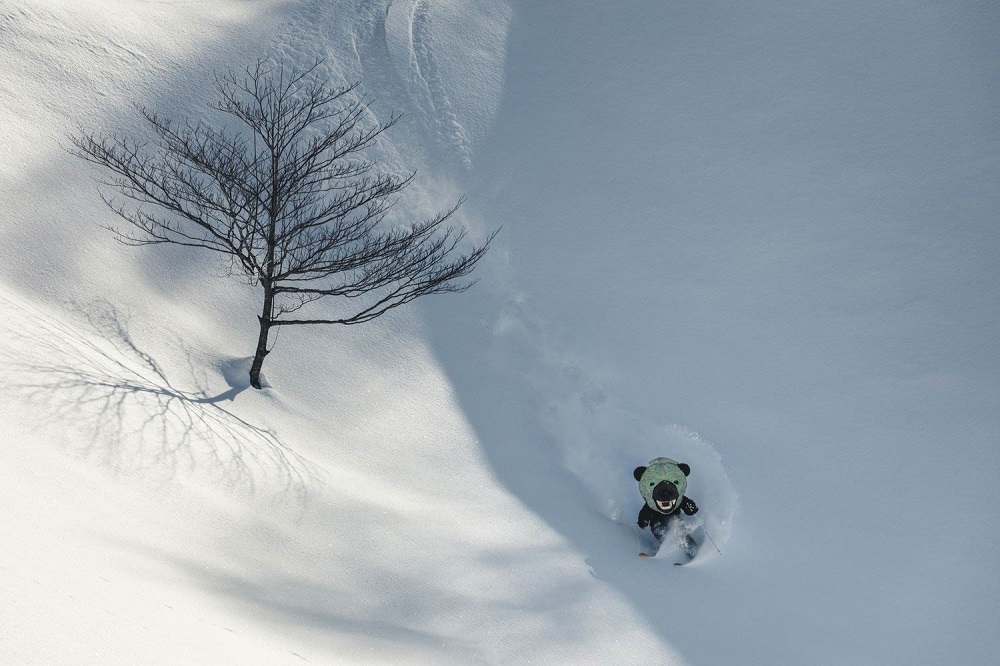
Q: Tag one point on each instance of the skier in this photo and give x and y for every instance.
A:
(662, 484)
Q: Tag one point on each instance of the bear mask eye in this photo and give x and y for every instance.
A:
(652, 483)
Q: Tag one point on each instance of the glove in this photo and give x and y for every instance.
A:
(688, 506)
(644, 517)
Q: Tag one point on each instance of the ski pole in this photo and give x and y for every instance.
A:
(711, 539)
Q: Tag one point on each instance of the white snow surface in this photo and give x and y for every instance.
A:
(759, 238)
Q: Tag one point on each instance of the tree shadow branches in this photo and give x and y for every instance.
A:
(114, 403)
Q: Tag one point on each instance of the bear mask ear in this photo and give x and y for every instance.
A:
(685, 468)
(637, 473)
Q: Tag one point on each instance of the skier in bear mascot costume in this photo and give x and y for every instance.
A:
(662, 484)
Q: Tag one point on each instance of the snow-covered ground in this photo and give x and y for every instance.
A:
(756, 237)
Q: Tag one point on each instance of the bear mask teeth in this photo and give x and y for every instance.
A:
(666, 506)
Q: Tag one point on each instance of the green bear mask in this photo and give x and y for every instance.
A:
(661, 469)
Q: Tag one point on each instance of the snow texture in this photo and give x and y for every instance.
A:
(758, 238)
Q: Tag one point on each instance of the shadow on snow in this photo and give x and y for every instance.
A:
(126, 413)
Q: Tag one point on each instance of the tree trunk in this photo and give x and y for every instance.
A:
(266, 281)
(262, 351)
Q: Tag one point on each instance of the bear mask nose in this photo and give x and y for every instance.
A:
(665, 492)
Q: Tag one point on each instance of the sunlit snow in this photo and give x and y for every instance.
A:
(759, 238)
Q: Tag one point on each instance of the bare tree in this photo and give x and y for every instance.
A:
(284, 191)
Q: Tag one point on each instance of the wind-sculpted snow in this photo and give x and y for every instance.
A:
(451, 56)
(439, 63)
(49, 40)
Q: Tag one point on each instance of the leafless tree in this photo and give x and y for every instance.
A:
(283, 189)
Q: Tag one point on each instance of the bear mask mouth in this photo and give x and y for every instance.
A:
(665, 496)
(666, 506)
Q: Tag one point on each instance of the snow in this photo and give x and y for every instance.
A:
(755, 237)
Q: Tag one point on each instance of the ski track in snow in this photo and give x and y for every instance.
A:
(394, 48)
(450, 133)
(601, 440)
(354, 49)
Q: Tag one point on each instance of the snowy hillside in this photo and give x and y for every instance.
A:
(759, 238)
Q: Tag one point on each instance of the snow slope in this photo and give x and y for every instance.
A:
(770, 224)
(775, 224)
(159, 512)
(175, 519)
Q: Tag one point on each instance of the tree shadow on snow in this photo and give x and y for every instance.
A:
(109, 400)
